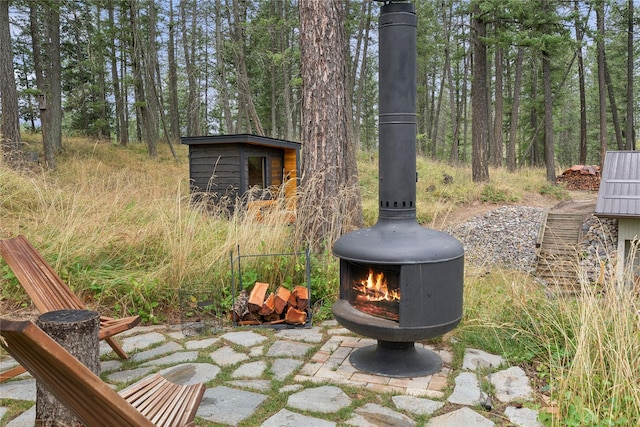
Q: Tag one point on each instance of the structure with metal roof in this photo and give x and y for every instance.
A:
(619, 194)
(619, 197)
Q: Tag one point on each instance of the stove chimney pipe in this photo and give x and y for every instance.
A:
(397, 109)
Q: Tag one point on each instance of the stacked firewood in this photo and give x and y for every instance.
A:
(281, 306)
(581, 177)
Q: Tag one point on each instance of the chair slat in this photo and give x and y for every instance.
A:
(49, 292)
(154, 401)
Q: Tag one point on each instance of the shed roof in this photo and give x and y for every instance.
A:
(240, 138)
(619, 194)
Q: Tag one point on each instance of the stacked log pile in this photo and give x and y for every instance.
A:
(580, 177)
(261, 307)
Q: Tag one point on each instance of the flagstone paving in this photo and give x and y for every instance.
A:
(306, 376)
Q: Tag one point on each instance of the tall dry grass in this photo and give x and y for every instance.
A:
(121, 228)
(584, 346)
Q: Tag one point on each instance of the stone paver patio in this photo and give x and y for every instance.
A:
(311, 368)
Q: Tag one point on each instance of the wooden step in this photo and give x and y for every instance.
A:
(557, 248)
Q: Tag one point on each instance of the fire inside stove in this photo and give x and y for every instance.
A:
(376, 291)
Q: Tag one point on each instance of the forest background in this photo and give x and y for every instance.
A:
(553, 79)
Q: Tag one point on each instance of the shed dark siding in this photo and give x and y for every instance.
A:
(216, 171)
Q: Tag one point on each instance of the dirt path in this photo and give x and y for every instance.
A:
(579, 202)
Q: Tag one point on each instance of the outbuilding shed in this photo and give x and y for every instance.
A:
(619, 197)
(231, 165)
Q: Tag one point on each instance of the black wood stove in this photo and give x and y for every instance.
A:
(399, 282)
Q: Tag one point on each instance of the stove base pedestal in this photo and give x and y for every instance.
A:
(396, 359)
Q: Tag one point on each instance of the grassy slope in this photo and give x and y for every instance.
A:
(119, 227)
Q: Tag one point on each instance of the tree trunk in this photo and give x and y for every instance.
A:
(363, 73)
(244, 87)
(25, 72)
(465, 105)
(149, 60)
(353, 71)
(122, 131)
(42, 56)
(286, 76)
(10, 124)
(515, 112)
(155, 81)
(430, 106)
(601, 80)
(629, 129)
(583, 99)
(498, 141)
(141, 85)
(221, 72)
(54, 103)
(193, 105)
(352, 207)
(273, 69)
(124, 87)
(174, 113)
(479, 104)
(100, 64)
(549, 149)
(613, 105)
(533, 116)
(455, 114)
(330, 201)
(455, 117)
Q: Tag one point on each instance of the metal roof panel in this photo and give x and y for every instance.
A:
(619, 194)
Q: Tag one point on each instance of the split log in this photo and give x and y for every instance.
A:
(299, 298)
(281, 299)
(274, 322)
(268, 306)
(256, 296)
(281, 306)
(251, 317)
(249, 322)
(581, 177)
(240, 306)
(295, 316)
(272, 317)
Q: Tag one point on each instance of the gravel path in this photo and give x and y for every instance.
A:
(505, 236)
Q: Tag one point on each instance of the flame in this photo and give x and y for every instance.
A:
(374, 288)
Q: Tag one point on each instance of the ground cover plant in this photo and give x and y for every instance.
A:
(121, 230)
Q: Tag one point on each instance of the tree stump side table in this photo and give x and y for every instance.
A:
(77, 331)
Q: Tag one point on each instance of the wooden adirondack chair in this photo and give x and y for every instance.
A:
(154, 401)
(49, 292)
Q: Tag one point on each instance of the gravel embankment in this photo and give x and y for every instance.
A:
(505, 236)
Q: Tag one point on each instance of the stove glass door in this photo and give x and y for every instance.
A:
(374, 289)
